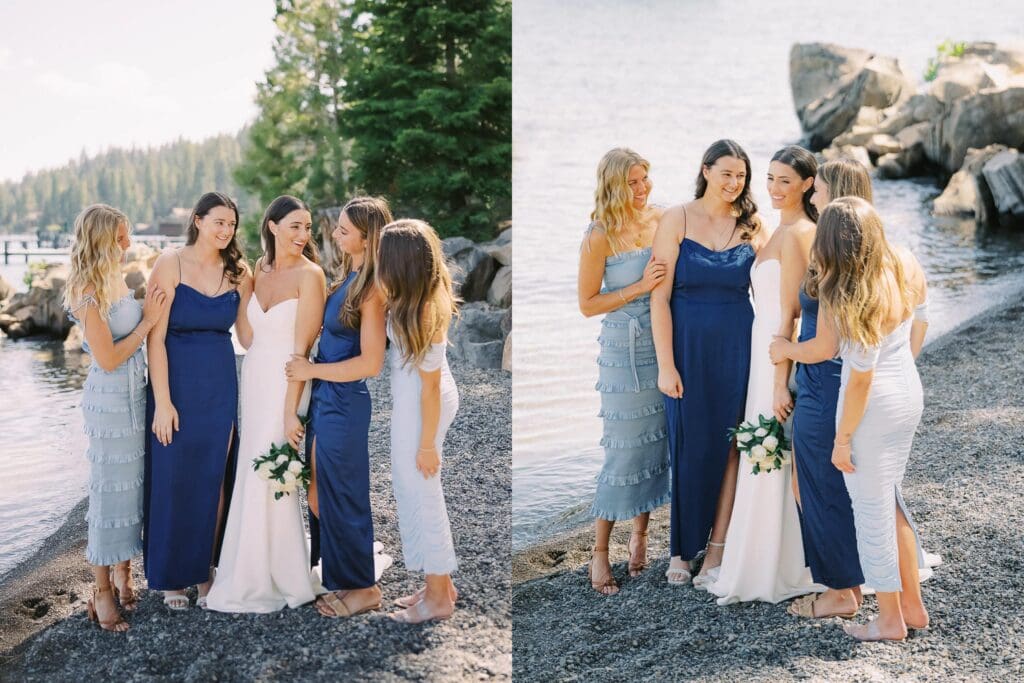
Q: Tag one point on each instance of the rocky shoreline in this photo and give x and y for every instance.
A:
(45, 636)
(963, 487)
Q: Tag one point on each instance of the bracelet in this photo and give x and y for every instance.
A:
(621, 296)
(135, 332)
(429, 449)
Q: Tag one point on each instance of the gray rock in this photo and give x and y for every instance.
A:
(506, 355)
(961, 77)
(967, 192)
(472, 267)
(1004, 174)
(989, 117)
(500, 248)
(500, 292)
(476, 335)
(6, 290)
(880, 145)
(855, 152)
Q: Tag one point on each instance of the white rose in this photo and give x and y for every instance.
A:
(276, 486)
(289, 477)
(758, 453)
(281, 459)
(770, 442)
(744, 437)
(761, 431)
(295, 467)
(264, 470)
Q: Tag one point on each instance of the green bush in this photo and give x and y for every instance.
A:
(946, 48)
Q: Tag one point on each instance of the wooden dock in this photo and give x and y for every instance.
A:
(26, 246)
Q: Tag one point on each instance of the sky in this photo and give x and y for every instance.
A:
(114, 73)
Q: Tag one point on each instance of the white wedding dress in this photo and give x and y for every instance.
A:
(764, 554)
(264, 561)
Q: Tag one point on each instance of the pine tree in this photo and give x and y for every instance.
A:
(429, 109)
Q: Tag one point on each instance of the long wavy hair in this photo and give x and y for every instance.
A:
(806, 166)
(859, 271)
(845, 177)
(231, 255)
(278, 209)
(95, 258)
(369, 215)
(613, 200)
(413, 275)
(744, 207)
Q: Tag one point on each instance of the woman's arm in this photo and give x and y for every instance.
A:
(793, 263)
(372, 340)
(165, 417)
(107, 353)
(245, 290)
(593, 253)
(823, 346)
(308, 319)
(919, 327)
(671, 230)
(428, 460)
(855, 402)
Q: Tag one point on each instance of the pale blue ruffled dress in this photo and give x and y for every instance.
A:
(114, 407)
(635, 475)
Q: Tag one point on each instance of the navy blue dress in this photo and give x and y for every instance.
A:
(184, 479)
(826, 521)
(340, 424)
(711, 321)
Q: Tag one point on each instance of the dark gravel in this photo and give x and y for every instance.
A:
(475, 644)
(964, 486)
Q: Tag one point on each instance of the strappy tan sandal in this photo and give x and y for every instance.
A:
(804, 607)
(117, 625)
(636, 567)
(338, 606)
(124, 591)
(607, 587)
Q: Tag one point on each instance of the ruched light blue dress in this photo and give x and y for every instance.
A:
(340, 426)
(826, 521)
(880, 450)
(635, 476)
(114, 408)
(711, 322)
(184, 479)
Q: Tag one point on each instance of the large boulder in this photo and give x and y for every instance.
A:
(1004, 173)
(967, 192)
(960, 77)
(6, 290)
(988, 117)
(500, 248)
(477, 337)
(506, 355)
(500, 292)
(472, 267)
(831, 85)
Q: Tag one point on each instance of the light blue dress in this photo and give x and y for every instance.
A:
(880, 450)
(114, 406)
(635, 475)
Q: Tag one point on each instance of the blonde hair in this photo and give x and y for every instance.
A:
(95, 258)
(858, 271)
(613, 200)
(845, 177)
(413, 275)
(369, 215)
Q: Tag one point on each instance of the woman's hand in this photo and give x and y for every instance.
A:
(670, 383)
(428, 462)
(782, 403)
(654, 273)
(778, 350)
(294, 430)
(165, 423)
(298, 369)
(153, 306)
(842, 457)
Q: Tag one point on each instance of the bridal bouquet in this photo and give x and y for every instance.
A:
(763, 444)
(283, 469)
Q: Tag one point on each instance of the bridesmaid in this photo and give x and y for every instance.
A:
(351, 350)
(412, 274)
(701, 319)
(617, 250)
(193, 401)
(830, 542)
(876, 295)
(114, 326)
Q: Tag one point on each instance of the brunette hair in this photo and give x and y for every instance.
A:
(278, 209)
(369, 215)
(414, 278)
(806, 166)
(744, 206)
(231, 255)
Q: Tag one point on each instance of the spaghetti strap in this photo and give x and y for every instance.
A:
(683, 207)
(177, 255)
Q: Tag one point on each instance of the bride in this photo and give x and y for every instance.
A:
(764, 555)
(264, 561)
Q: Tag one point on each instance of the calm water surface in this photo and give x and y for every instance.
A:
(668, 78)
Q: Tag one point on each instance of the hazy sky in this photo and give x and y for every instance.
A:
(113, 73)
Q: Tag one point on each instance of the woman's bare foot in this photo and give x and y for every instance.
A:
(426, 609)
(915, 616)
(413, 598)
(600, 573)
(876, 629)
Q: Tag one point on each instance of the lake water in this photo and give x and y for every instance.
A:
(667, 78)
